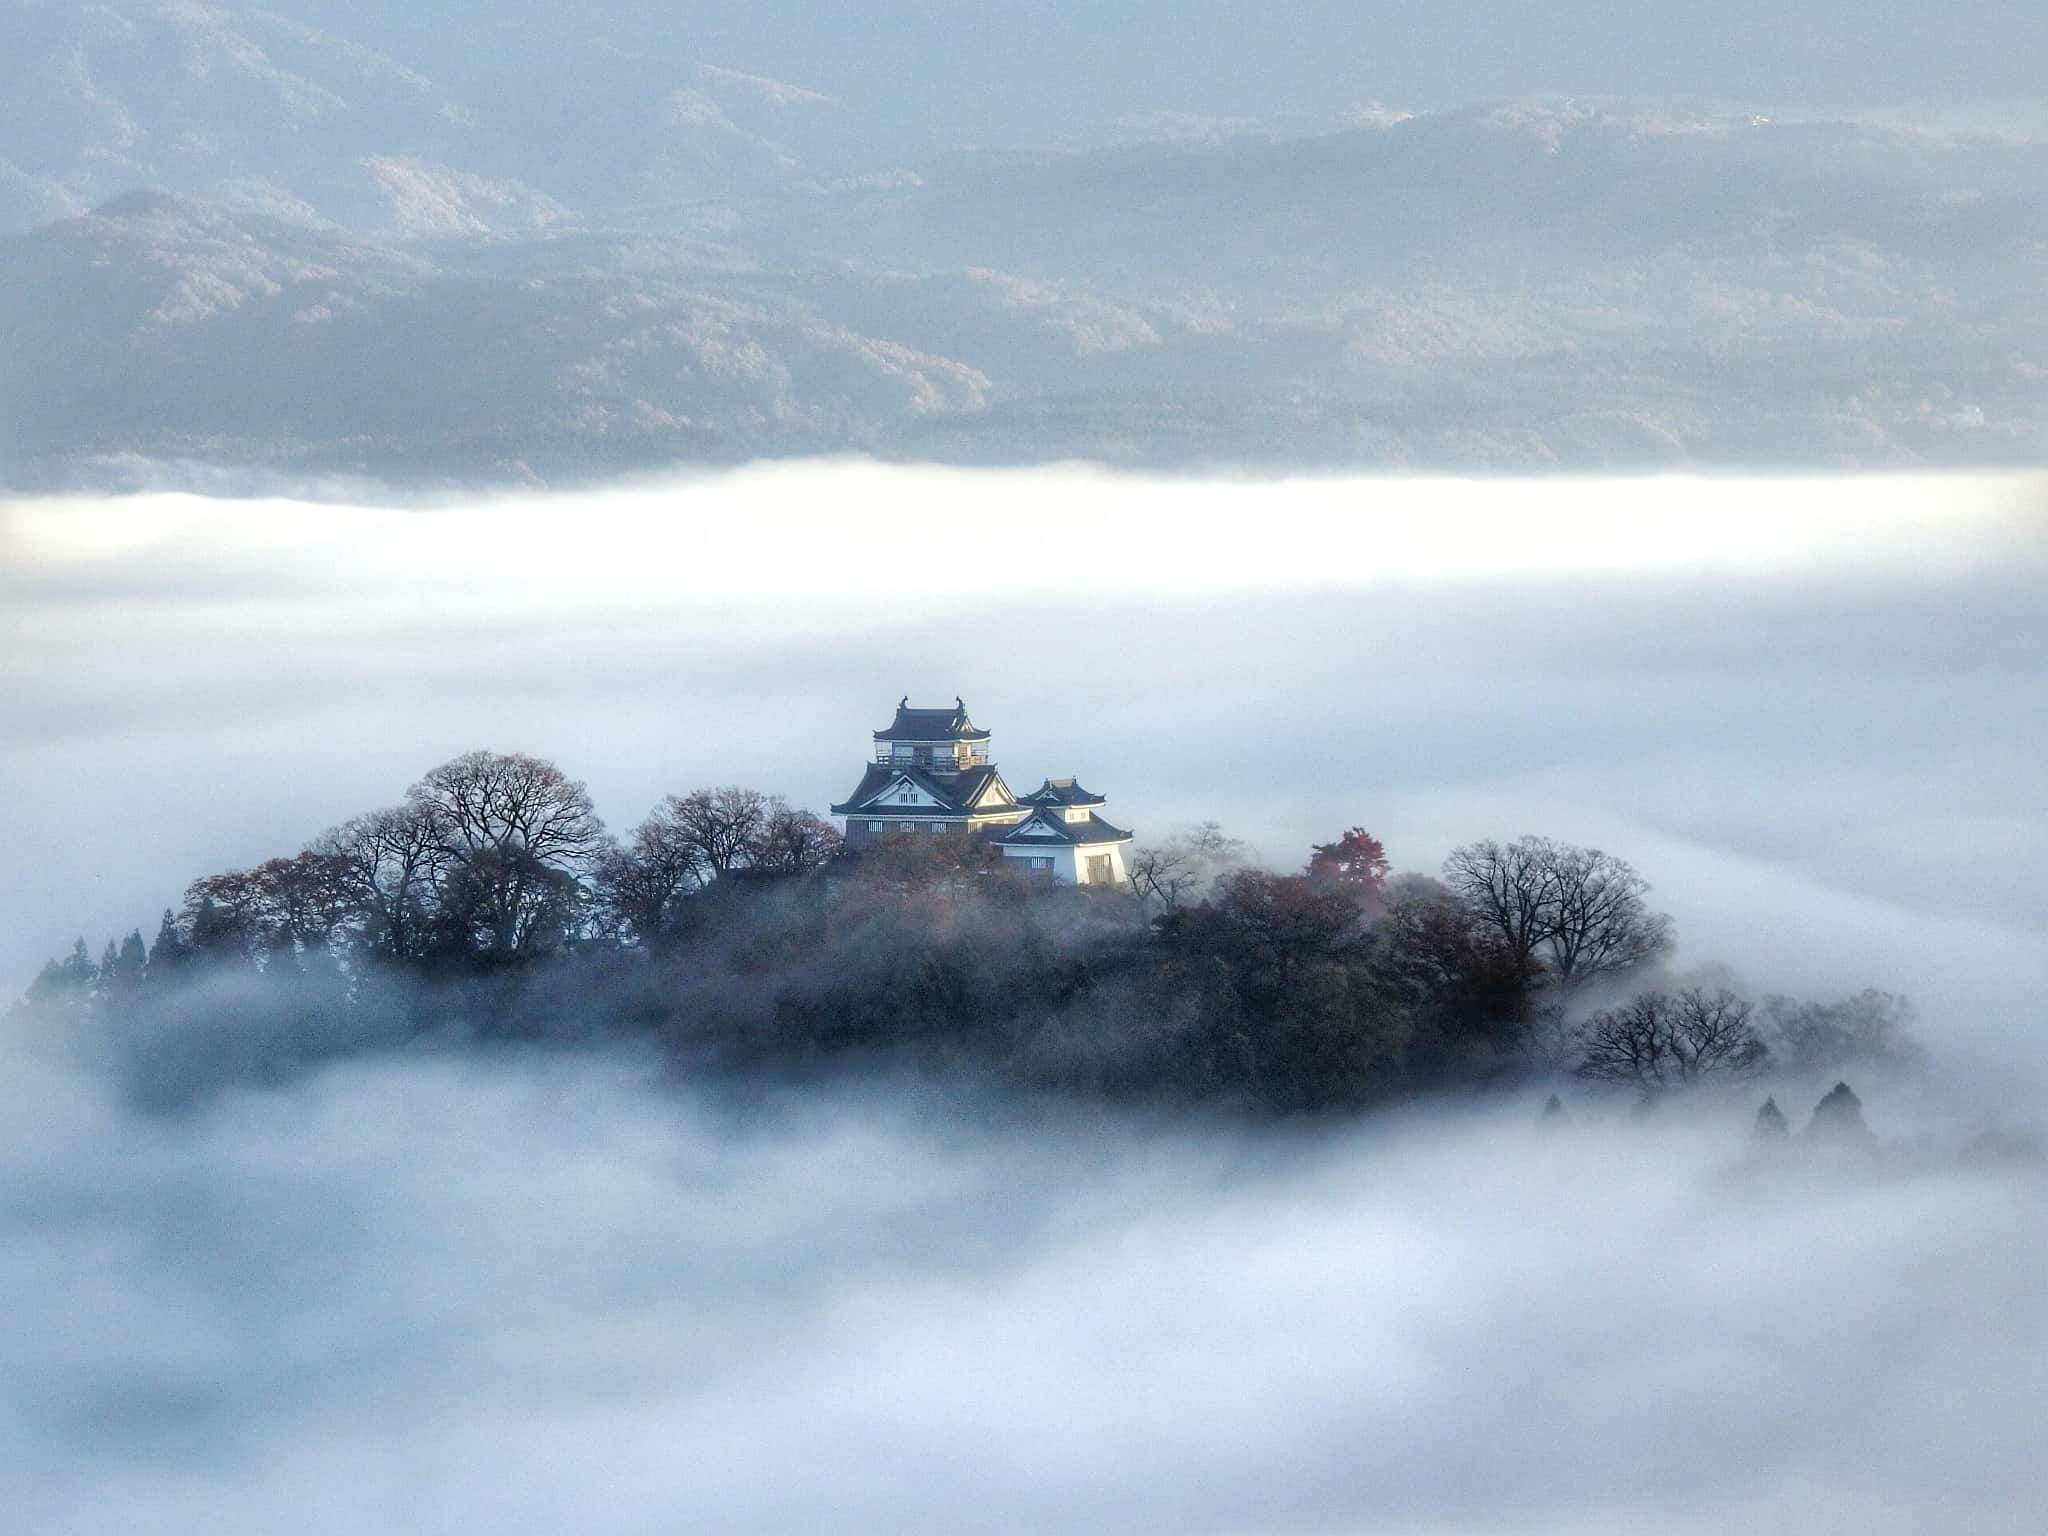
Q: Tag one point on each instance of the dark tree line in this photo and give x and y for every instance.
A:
(731, 927)
(491, 858)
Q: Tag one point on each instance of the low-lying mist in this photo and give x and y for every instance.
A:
(549, 1292)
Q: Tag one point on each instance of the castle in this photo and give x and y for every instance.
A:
(931, 774)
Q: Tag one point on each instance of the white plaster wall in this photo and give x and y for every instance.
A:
(1070, 863)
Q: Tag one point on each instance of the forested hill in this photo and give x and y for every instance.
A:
(731, 930)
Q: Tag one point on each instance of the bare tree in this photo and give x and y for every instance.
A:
(503, 902)
(1871, 1029)
(1661, 1040)
(500, 801)
(391, 862)
(271, 913)
(1713, 1035)
(1183, 866)
(1510, 888)
(224, 917)
(641, 885)
(724, 826)
(521, 836)
(1576, 912)
(307, 899)
(1599, 924)
(792, 840)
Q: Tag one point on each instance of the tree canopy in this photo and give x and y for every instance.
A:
(738, 930)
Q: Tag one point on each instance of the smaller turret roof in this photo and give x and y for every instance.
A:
(1062, 792)
(1048, 829)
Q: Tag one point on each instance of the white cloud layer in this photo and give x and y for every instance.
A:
(536, 1295)
(854, 528)
(557, 1293)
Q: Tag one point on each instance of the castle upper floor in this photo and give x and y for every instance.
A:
(935, 740)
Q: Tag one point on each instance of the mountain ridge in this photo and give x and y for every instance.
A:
(724, 263)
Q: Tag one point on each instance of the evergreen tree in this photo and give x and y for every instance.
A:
(79, 971)
(48, 987)
(168, 955)
(1838, 1119)
(129, 966)
(215, 934)
(66, 983)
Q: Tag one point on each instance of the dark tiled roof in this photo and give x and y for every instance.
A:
(956, 793)
(1062, 792)
(968, 786)
(931, 725)
(1093, 830)
(879, 776)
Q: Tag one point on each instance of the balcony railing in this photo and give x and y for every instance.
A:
(933, 763)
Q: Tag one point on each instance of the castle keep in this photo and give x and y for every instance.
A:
(931, 776)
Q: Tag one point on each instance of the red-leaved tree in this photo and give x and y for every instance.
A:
(1355, 863)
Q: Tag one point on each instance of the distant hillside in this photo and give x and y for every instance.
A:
(249, 238)
(162, 327)
(617, 101)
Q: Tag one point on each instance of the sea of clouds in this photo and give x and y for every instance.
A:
(535, 1294)
(538, 1292)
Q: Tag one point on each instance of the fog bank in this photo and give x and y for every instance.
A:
(552, 1293)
